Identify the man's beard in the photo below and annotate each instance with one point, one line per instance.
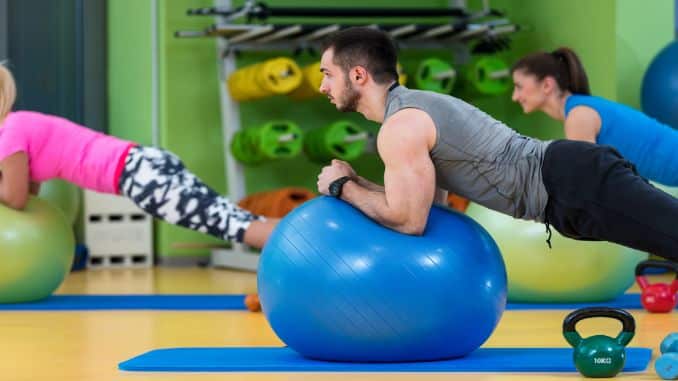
(349, 101)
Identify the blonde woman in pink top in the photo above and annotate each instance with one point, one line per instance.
(35, 147)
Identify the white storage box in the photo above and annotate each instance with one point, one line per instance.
(117, 232)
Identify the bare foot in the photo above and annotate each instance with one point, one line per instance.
(258, 232)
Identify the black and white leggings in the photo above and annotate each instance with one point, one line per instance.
(158, 182)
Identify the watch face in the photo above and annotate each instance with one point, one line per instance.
(334, 189)
(336, 185)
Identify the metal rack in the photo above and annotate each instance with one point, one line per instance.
(246, 28)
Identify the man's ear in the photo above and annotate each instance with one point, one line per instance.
(359, 74)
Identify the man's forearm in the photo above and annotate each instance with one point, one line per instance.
(373, 204)
(363, 182)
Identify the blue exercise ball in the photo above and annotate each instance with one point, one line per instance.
(337, 286)
(659, 96)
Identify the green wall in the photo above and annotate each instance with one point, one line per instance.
(129, 69)
(614, 48)
(643, 29)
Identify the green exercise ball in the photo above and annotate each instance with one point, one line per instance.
(571, 271)
(63, 195)
(36, 251)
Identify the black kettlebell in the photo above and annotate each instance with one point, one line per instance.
(599, 355)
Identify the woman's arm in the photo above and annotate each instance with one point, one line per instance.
(34, 188)
(582, 123)
(14, 180)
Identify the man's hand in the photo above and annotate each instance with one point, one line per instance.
(332, 172)
(346, 166)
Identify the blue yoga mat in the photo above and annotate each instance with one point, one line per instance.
(132, 302)
(235, 302)
(626, 301)
(283, 359)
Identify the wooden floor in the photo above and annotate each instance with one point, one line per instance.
(73, 346)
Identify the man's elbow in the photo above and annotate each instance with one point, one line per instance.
(407, 224)
(414, 229)
(411, 228)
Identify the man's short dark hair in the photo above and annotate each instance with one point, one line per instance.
(367, 47)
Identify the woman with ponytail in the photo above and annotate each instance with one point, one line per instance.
(556, 84)
(35, 147)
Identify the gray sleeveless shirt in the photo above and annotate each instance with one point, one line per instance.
(478, 157)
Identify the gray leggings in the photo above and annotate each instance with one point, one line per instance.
(158, 182)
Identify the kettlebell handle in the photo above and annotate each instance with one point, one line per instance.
(571, 320)
(651, 263)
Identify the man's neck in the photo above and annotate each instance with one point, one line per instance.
(373, 103)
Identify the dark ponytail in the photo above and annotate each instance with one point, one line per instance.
(562, 64)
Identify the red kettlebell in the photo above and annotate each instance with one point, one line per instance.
(658, 297)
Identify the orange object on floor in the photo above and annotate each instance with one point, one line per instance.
(252, 302)
(457, 203)
(276, 203)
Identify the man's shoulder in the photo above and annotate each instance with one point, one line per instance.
(408, 114)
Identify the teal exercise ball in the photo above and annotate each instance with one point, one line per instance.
(570, 272)
(63, 195)
(36, 251)
(659, 91)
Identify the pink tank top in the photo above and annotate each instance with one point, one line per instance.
(59, 148)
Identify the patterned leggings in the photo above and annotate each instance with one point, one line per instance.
(158, 182)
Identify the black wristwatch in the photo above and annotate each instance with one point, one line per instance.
(337, 185)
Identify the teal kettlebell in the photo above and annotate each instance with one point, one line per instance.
(667, 364)
(599, 356)
(669, 344)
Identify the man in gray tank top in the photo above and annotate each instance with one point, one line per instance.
(477, 157)
(432, 143)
